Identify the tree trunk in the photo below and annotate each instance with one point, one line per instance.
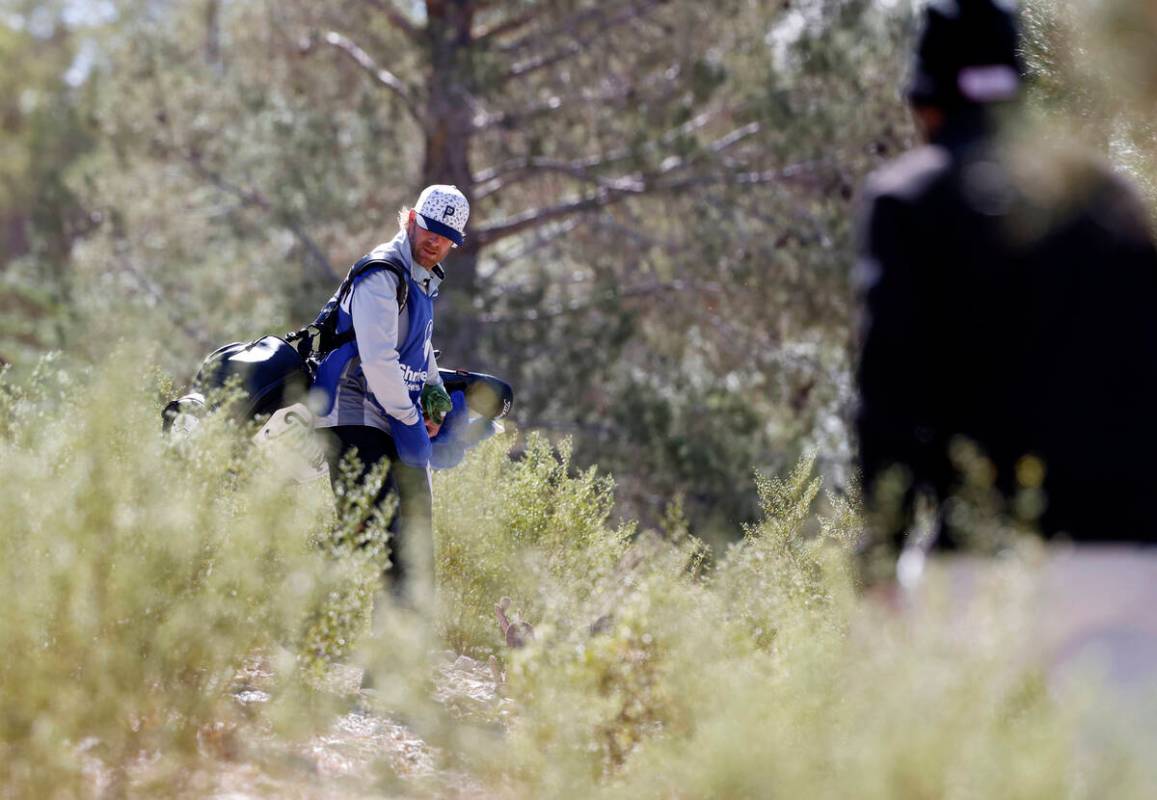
(449, 130)
(213, 33)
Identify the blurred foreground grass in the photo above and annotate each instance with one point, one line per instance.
(141, 582)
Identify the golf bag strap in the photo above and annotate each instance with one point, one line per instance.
(320, 336)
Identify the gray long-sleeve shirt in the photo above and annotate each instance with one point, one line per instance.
(372, 387)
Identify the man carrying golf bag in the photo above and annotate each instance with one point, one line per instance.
(383, 395)
(362, 379)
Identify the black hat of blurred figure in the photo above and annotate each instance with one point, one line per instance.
(967, 54)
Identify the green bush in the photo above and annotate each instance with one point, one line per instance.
(524, 529)
(765, 676)
(139, 576)
(145, 579)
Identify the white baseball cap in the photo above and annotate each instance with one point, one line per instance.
(443, 210)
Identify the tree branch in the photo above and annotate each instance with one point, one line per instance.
(493, 232)
(735, 137)
(396, 17)
(581, 170)
(512, 119)
(579, 306)
(633, 93)
(517, 166)
(532, 247)
(579, 43)
(533, 65)
(509, 25)
(603, 197)
(514, 171)
(254, 199)
(381, 75)
(567, 26)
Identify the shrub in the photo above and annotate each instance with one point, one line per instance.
(524, 529)
(143, 577)
(139, 576)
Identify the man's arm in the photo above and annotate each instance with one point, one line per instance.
(374, 308)
(434, 378)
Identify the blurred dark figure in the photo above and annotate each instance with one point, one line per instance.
(1006, 306)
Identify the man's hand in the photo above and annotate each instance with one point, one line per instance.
(412, 443)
